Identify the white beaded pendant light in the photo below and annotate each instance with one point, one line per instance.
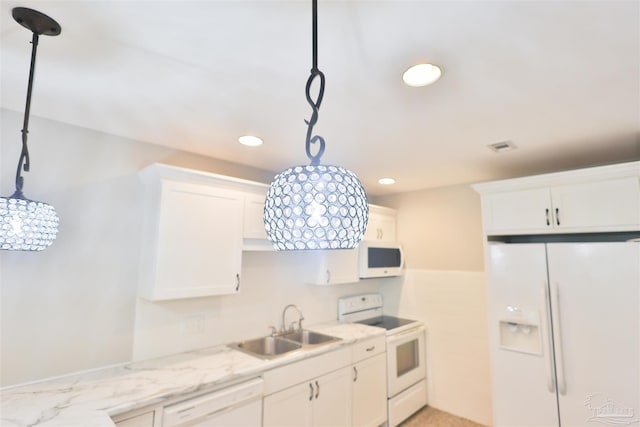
(27, 225)
(315, 206)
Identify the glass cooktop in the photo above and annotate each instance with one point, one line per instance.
(387, 322)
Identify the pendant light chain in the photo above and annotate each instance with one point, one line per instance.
(315, 105)
(24, 154)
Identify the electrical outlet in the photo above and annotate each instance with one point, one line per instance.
(194, 324)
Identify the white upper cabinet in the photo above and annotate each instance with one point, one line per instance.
(382, 224)
(255, 235)
(193, 233)
(253, 217)
(602, 199)
(612, 203)
(332, 267)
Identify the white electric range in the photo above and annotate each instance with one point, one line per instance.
(406, 362)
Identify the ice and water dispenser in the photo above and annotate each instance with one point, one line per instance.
(519, 330)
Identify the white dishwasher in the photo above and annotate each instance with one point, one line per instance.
(239, 405)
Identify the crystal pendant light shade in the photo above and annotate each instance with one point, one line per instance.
(316, 207)
(26, 225)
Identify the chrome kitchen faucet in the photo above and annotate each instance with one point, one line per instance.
(300, 319)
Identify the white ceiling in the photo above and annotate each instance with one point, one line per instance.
(561, 79)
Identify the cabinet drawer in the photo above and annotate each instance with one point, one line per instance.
(368, 348)
(295, 373)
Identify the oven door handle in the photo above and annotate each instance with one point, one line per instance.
(417, 332)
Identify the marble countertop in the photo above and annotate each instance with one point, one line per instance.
(89, 399)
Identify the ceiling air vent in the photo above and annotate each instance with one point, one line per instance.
(502, 146)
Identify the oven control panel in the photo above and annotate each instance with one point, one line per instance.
(358, 303)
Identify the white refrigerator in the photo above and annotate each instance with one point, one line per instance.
(565, 333)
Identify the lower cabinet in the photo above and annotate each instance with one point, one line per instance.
(321, 401)
(369, 386)
(369, 392)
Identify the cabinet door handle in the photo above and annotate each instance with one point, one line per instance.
(310, 391)
(328, 276)
(546, 212)
(557, 216)
(317, 389)
(237, 282)
(373, 347)
(355, 374)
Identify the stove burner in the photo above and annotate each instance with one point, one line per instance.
(386, 322)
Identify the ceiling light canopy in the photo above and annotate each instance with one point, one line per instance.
(27, 225)
(421, 75)
(315, 206)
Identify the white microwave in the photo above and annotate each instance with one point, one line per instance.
(380, 259)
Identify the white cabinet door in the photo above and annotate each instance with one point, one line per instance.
(598, 341)
(381, 225)
(253, 217)
(606, 205)
(332, 399)
(323, 401)
(369, 393)
(333, 267)
(291, 407)
(526, 211)
(198, 250)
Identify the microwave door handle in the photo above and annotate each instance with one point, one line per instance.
(401, 256)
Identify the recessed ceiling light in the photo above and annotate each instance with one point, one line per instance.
(386, 181)
(421, 75)
(502, 146)
(250, 140)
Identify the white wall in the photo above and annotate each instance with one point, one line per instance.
(453, 306)
(445, 287)
(72, 307)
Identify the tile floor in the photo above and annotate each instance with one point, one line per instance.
(432, 417)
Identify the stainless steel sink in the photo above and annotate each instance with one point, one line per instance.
(267, 347)
(274, 346)
(309, 337)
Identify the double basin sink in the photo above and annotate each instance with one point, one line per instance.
(278, 345)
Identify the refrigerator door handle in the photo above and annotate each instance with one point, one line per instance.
(557, 339)
(545, 323)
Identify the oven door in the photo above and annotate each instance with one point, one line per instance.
(405, 359)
